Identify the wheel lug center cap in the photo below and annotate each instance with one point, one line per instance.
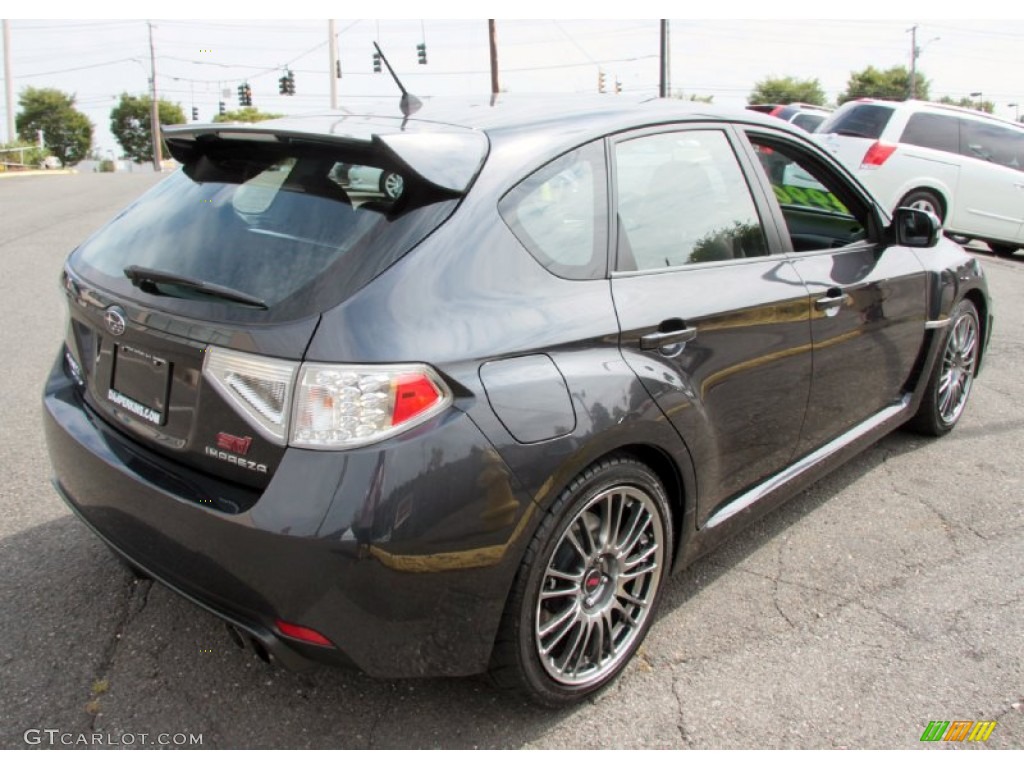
(592, 581)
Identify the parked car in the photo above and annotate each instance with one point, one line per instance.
(806, 116)
(365, 178)
(477, 427)
(966, 167)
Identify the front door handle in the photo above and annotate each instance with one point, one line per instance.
(660, 339)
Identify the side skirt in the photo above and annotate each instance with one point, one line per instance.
(775, 490)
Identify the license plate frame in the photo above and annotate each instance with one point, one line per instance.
(140, 383)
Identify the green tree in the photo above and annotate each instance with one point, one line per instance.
(968, 103)
(786, 90)
(892, 84)
(245, 115)
(66, 131)
(130, 123)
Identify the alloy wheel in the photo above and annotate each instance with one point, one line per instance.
(958, 364)
(599, 587)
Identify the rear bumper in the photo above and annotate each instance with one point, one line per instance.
(403, 562)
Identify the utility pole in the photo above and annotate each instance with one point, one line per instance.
(663, 80)
(9, 81)
(914, 53)
(492, 35)
(154, 114)
(332, 69)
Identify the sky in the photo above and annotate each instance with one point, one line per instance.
(198, 56)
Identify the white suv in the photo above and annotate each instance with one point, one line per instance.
(964, 166)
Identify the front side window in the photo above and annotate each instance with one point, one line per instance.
(819, 210)
(682, 199)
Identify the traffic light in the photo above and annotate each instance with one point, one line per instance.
(244, 95)
(376, 62)
(286, 84)
(421, 53)
(600, 81)
(221, 107)
(195, 113)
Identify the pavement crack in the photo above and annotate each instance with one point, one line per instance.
(681, 722)
(134, 602)
(775, 584)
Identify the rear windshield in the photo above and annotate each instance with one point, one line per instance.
(297, 228)
(864, 120)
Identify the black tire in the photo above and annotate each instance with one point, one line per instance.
(924, 200)
(606, 578)
(959, 239)
(953, 376)
(391, 185)
(1002, 249)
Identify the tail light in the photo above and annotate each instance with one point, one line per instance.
(325, 407)
(877, 154)
(259, 388)
(342, 406)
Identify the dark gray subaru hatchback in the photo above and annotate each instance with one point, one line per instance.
(470, 412)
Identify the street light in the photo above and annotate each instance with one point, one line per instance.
(1016, 111)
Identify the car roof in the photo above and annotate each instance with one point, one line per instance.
(493, 114)
(446, 140)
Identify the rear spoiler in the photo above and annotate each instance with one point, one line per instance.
(447, 157)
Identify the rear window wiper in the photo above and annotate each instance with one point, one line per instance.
(849, 132)
(148, 280)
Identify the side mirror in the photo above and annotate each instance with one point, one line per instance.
(916, 228)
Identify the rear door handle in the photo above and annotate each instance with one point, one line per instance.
(660, 339)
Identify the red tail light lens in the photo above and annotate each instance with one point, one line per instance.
(877, 154)
(305, 634)
(414, 394)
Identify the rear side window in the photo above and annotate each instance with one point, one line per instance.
(994, 143)
(299, 228)
(560, 216)
(933, 131)
(864, 120)
(808, 121)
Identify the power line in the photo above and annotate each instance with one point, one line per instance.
(77, 69)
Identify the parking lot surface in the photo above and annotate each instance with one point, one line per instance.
(886, 596)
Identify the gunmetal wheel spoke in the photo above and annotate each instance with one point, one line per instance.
(570, 536)
(636, 530)
(638, 572)
(564, 619)
(598, 587)
(637, 559)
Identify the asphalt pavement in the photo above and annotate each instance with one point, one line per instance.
(886, 596)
